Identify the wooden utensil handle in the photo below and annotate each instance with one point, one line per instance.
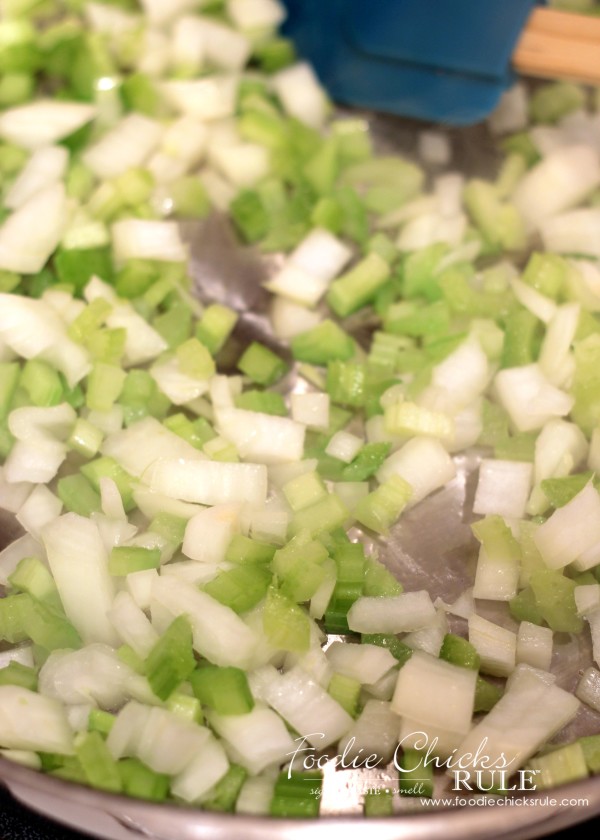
(557, 44)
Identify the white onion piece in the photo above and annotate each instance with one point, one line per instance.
(587, 598)
(218, 633)
(373, 733)
(571, 529)
(503, 488)
(262, 438)
(147, 240)
(141, 444)
(209, 532)
(78, 561)
(210, 98)
(128, 145)
(391, 614)
(424, 463)
(32, 233)
(538, 304)
(321, 254)
(40, 508)
(255, 740)
(588, 688)
(301, 94)
(158, 13)
(243, 165)
(558, 182)
(289, 319)
(496, 646)
(511, 112)
(43, 122)
(557, 342)
(45, 167)
(94, 674)
(576, 232)
(534, 645)
(209, 482)
(529, 398)
(13, 495)
(364, 663)
(11, 556)
(208, 767)
(30, 721)
(256, 14)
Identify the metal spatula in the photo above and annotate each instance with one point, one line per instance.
(442, 60)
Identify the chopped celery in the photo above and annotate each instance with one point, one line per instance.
(325, 515)
(16, 674)
(359, 286)
(378, 802)
(395, 646)
(524, 607)
(297, 794)
(560, 491)
(322, 344)
(486, 695)
(171, 660)
(590, 745)
(9, 380)
(262, 365)
(225, 793)
(346, 382)
(559, 766)
(195, 360)
(555, 598)
(125, 559)
(240, 588)
(142, 782)
(379, 581)
(367, 462)
(77, 266)
(33, 577)
(215, 326)
(459, 651)
(169, 526)
(100, 721)
(416, 776)
(345, 691)
(42, 383)
(105, 467)
(99, 767)
(550, 102)
(245, 550)
(286, 625)
(265, 402)
(186, 707)
(225, 690)
(381, 508)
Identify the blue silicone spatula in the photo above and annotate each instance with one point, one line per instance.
(443, 60)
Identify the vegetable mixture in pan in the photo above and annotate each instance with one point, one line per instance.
(193, 526)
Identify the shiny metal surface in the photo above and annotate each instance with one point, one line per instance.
(431, 547)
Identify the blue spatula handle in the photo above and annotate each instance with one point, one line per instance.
(441, 60)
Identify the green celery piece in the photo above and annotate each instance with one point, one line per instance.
(127, 559)
(358, 286)
(555, 597)
(265, 402)
(100, 721)
(522, 339)
(304, 490)
(381, 508)
(323, 168)
(215, 326)
(274, 54)
(560, 491)
(496, 538)
(324, 343)
(92, 61)
(499, 222)
(519, 447)
(34, 578)
(385, 350)
(378, 802)
(495, 424)
(262, 365)
(547, 273)
(16, 89)
(10, 373)
(93, 316)
(559, 766)
(225, 690)
(380, 243)
(350, 563)
(16, 674)
(42, 383)
(551, 102)
(8, 279)
(299, 568)
(346, 692)
(419, 277)
(48, 627)
(169, 526)
(171, 660)
(590, 745)
(77, 266)
(99, 767)
(185, 707)
(127, 655)
(80, 181)
(297, 794)
(392, 643)
(346, 383)
(139, 93)
(524, 607)
(140, 397)
(13, 609)
(379, 580)
(389, 181)
(416, 776)
(174, 325)
(190, 430)
(327, 214)
(104, 385)
(325, 515)
(286, 624)
(105, 467)
(225, 793)
(522, 144)
(586, 384)
(243, 549)
(486, 695)
(12, 159)
(190, 199)
(140, 781)
(135, 277)
(459, 651)
(354, 140)
(355, 220)
(240, 588)
(410, 319)
(195, 360)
